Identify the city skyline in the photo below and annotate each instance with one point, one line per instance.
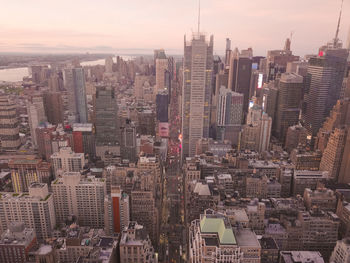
(112, 28)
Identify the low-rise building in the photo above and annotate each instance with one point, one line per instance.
(135, 245)
(323, 198)
(16, 243)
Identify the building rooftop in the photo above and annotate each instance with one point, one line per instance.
(301, 257)
(217, 225)
(246, 238)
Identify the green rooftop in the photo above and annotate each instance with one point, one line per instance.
(217, 225)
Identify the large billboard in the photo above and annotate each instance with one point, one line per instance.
(163, 129)
(260, 81)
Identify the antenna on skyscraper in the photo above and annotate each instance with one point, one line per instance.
(199, 14)
(336, 39)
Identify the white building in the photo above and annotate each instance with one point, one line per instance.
(196, 91)
(67, 161)
(80, 197)
(35, 209)
(341, 252)
(212, 239)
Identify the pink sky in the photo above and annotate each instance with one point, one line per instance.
(116, 25)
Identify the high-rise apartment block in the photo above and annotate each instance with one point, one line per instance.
(24, 172)
(79, 197)
(9, 129)
(35, 209)
(196, 91)
(117, 211)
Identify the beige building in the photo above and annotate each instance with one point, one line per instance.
(144, 210)
(161, 67)
(80, 197)
(25, 171)
(67, 161)
(333, 153)
(322, 198)
(135, 245)
(256, 186)
(35, 209)
(341, 252)
(320, 231)
(213, 239)
(257, 132)
(9, 129)
(307, 179)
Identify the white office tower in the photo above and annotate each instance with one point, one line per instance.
(81, 197)
(35, 209)
(196, 91)
(36, 115)
(67, 161)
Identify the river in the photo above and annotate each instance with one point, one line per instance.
(17, 74)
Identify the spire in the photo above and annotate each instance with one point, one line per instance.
(199, 15)
(336, 39)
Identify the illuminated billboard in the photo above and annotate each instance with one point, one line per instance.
(260, 81)
(163, 129)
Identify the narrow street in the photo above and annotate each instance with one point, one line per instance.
(172, 237)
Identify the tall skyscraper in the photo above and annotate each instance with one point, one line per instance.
(128, 141)
(333, 154)
(106, 122)
(229, 115)
(9, 130)
(196, 91)
(290, 94)
(161, 68)
(109, 64)
(53, 105)
(348, 41)
(36, 115)
(74, 82)
(239, 76)
(327, 72)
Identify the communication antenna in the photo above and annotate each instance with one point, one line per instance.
(199, 15)
(336, 39)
